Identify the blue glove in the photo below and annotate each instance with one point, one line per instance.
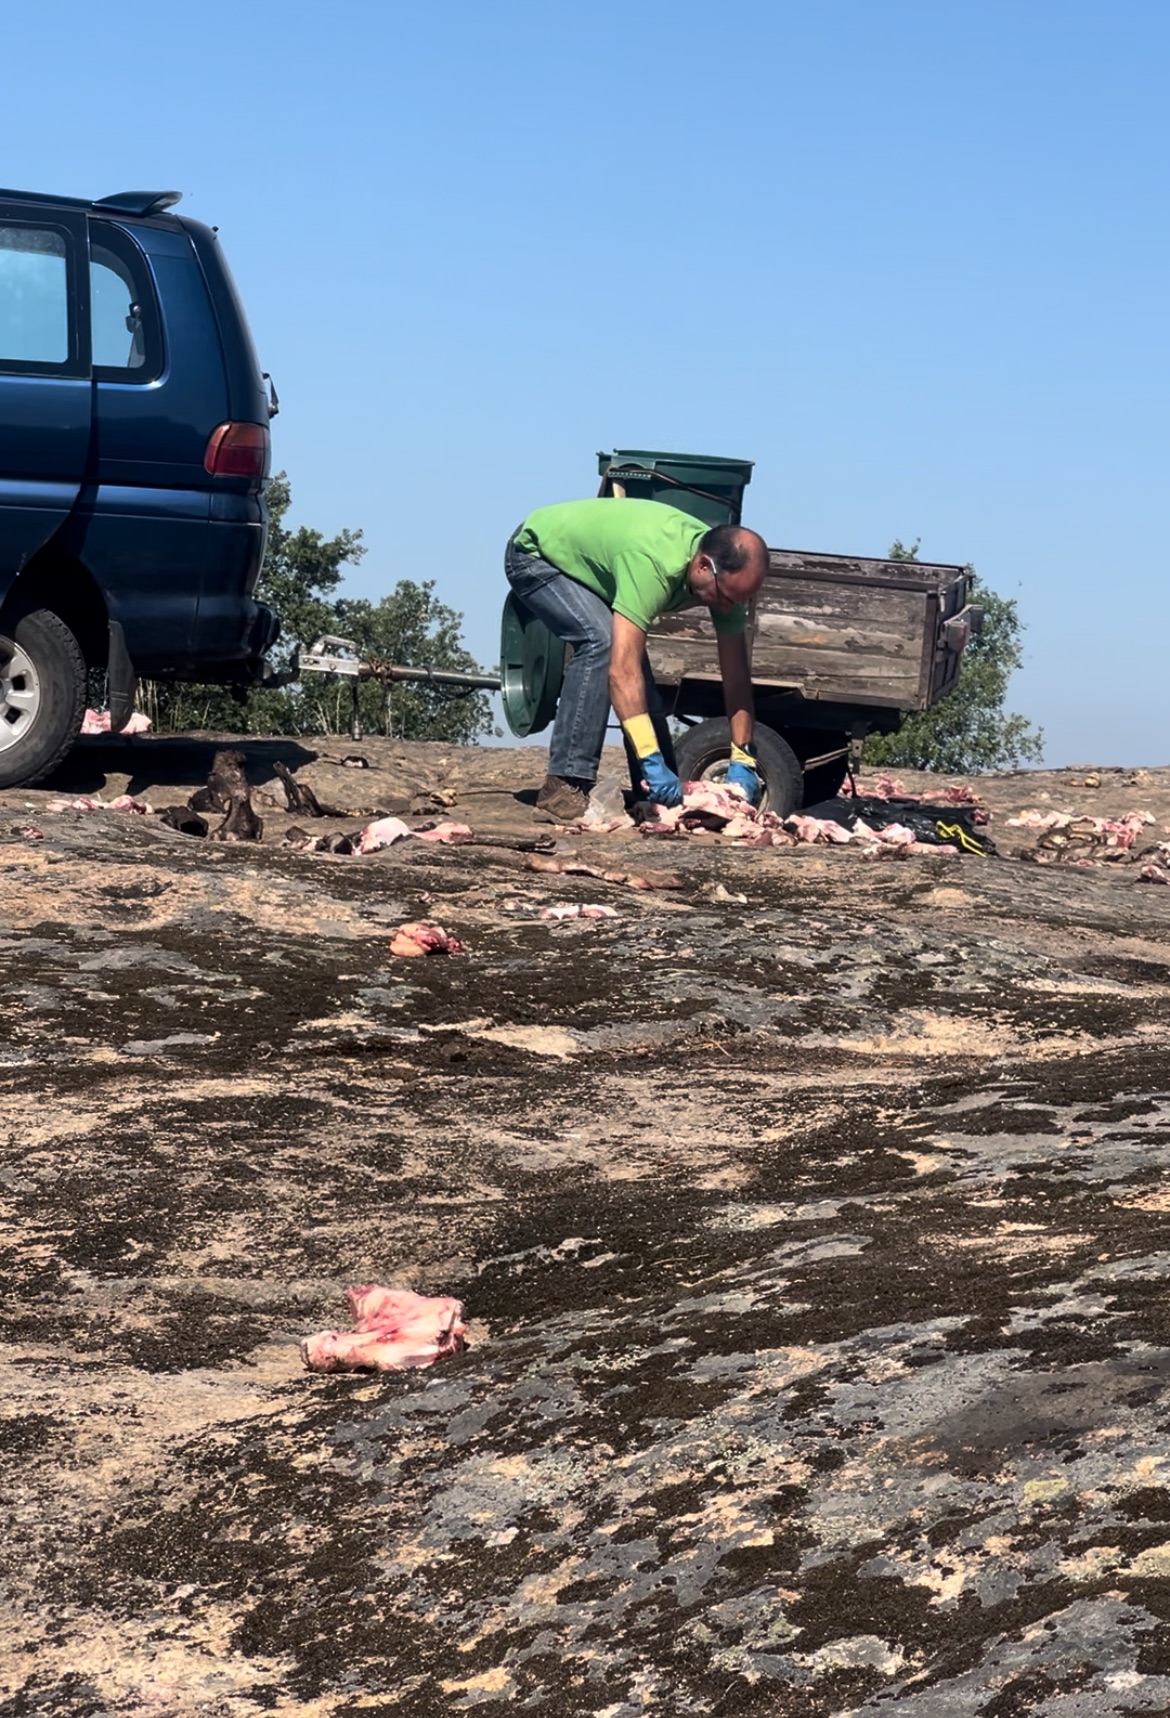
(742, 773)
(661, 783)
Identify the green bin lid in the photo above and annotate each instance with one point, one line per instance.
(703, 484)
(684, 467)
(532, 667)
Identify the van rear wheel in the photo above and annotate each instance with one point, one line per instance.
(42, 694)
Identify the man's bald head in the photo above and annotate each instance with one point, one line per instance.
(728, 566)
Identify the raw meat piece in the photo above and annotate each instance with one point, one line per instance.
(91, 802)
(821, 829)
(83, 802)
(382, 833)
(394, 1329)
(895, 835)
(645, 880)
(909, 849)
(98, 722)
(1085, 831)
(718, 801)
(574, 910)
(700, 799)
(543, 862)
(598, 821)
(387, 830)
(889, 787)
(451, 834)
(420, 937)
(1153, 874)
(725, 810)
(762, 836)
(1039, 819)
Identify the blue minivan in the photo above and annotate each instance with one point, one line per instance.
(134, 450)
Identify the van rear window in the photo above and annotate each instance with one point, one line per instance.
(124, 320)
(34, 297)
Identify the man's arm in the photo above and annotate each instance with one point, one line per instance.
(627, 694)
(737, 686)
(627, 685)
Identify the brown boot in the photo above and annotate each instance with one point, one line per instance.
(561, 800)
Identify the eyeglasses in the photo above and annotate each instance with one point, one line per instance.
(719, 591)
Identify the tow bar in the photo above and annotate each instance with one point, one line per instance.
(339, 657)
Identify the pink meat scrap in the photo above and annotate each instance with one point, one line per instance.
(450, 834)
(98, 722)
(889, 787)
(421, 937)
(818, 830)
(385, 831)
(1101, 831)
(91, 802)
(909, 849)
(83, 802)
(705, 806)
(394, 1329)
(575, 910)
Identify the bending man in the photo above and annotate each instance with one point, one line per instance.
(599, 573)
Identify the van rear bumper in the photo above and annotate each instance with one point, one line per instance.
(233, 640)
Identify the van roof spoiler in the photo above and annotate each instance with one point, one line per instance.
(129, 202)
(140, 202)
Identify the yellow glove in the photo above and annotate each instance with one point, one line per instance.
(639, 730)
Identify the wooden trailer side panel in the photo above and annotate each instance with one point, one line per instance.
(849, 642)
(683, 647)
(832, 628)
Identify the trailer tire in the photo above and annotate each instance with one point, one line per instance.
(705, 750)
(42, 694)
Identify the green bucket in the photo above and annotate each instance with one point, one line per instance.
(532, 667)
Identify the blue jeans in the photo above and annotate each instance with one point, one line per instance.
(573, 612)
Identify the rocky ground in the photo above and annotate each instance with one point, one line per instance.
(816, 1246)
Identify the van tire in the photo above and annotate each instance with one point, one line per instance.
(42, 694)
(708, 744)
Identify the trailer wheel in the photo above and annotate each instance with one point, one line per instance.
(704, 752)
(42, 695)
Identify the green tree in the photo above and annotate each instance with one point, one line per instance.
(411, 626)
(300, 577)
(969, 729)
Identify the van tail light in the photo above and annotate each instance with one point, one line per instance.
(237, 450)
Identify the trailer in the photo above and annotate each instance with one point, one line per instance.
(840, 646)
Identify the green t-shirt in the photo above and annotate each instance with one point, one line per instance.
(633, 554)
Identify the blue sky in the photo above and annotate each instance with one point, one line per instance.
(910, 256)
